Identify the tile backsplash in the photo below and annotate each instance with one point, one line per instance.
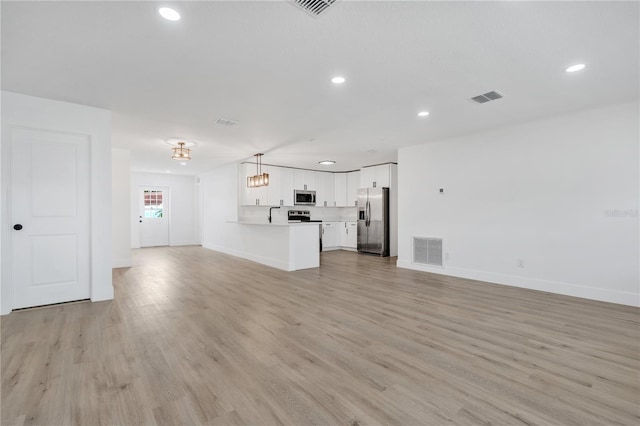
(327, 214)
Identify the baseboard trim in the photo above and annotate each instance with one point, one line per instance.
(121, 263)
(592, 293)
(183, 243)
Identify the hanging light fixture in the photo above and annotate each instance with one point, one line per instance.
(259, 179)
(181, 153)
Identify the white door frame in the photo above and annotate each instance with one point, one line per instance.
(28, 112)
(166, 201)
(62, 236)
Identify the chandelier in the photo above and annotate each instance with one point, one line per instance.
(259, 179)
(181, 153)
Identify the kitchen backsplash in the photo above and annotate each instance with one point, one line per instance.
(327, 214)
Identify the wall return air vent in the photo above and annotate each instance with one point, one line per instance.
(486, 97)
(313, 7)
(427, 251)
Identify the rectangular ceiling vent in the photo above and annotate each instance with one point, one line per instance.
(487, 97)
(427, 251)
(225, 122)
(313, 7)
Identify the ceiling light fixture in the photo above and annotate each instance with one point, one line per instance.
(574, 68)
(169, 14)
(181, 153)
(259, 179)
(338, 80)
(423, 113)
(326, 162)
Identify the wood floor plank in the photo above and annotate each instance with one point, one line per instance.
(199, 337)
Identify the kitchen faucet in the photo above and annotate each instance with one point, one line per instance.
(270, 212)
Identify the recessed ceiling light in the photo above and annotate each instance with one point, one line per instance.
(423, 113)
(327, 162)
(574, 68)
(168, 171)
(338, 80)
(169, 14)
(183, 164)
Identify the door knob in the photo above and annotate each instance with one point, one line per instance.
(17, 227)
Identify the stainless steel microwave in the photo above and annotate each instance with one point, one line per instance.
(304, 197)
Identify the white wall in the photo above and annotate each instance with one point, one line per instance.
(561, 194)
(47, 114)
(182, 206)
(220, 206)
(121, 207)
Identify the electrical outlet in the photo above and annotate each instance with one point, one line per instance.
(520, 263)
(446, 257)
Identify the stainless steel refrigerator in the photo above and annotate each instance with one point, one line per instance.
(373, 221)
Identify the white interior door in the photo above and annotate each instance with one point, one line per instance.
(154, 220)
(50, 210)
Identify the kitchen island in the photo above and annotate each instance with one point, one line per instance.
(287, 246)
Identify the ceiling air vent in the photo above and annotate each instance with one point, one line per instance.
(487, 97)
(225, 122)
(313, 7)
(427, 251)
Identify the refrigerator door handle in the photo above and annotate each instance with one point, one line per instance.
(368, 220)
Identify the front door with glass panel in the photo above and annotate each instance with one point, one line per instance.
(154, 212)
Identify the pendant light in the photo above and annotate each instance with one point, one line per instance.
(181, 153)
(259, 179)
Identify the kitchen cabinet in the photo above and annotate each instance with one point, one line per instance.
(353, 184)
(375, 176)
(331, 238)
(349, 235)
(340, 189)
(304, 179)
(252, 196)
(280, 189)
(324, 189)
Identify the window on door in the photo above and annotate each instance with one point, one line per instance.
(153, 207)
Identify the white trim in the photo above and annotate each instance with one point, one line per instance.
(30, 112)
(184, 243)
(567, 289)
(121, 263)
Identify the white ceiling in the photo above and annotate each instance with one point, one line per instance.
(268, 65)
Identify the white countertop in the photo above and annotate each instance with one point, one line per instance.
(275, 223)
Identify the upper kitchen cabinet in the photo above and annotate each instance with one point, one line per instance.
(340, 189)
(376, 176)
(304, 179)
(353, 184)
(280, 189)
(325, 191)
(252, 196)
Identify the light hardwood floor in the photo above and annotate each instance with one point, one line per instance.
(198, 337)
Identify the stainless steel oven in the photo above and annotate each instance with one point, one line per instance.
(304, 197)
